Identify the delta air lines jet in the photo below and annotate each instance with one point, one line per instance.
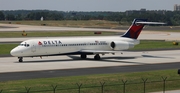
(82, 46)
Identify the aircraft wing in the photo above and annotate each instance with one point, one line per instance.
(98, 51)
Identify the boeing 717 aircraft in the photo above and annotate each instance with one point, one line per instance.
(82, 46)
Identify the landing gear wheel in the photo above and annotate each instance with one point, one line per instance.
(97, 57)
(83, 56)
(20, 59)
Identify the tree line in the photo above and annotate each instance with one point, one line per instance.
(170, 17)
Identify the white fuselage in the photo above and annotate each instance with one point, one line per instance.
(81, 45)
(71, 45)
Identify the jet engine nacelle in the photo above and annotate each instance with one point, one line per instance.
(121, 45)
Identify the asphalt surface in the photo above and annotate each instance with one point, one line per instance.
(85, 71)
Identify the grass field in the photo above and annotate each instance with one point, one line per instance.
(53, 34)
(155, 45)
(92, 83)
(6, 48)
(68, 23)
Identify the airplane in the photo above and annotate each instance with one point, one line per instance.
(82, 46)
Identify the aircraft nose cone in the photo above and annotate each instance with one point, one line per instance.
(15, 52)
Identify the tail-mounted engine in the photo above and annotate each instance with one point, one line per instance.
(120, 45)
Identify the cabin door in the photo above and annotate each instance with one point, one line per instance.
(33, 48)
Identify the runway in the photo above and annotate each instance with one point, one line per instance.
(72, 65)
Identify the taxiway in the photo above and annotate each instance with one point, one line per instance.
(11, 64)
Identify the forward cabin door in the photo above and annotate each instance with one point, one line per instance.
(33, 47)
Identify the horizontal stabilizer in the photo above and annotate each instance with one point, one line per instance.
(149, 23)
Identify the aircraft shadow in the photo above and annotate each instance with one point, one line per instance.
(44, 61)
(118, 59)
(150, 56)
(108, 59)
(76, 58)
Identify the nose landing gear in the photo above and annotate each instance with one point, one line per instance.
(20, 59)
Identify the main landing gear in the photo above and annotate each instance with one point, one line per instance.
(83, 56)
(20, 59)
(96, 57)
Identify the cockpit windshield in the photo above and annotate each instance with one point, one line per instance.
(24, 44)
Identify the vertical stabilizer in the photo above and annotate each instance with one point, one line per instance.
(135, 29)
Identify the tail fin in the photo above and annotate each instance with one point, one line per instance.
(135, 29)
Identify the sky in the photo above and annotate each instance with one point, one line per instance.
(88, 5)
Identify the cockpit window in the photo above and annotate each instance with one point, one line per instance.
(26, 45)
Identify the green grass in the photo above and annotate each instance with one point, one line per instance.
(155, 45)
(6, 48)
(91, 83)
(53, 34)
(68, 23)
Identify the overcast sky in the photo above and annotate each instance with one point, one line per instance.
(88, 5)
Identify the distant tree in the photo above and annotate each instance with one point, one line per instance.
(100, 17)
(45, 15)
(10, 17)
(176, 19)
(124, 18)
(2, 16)
(55, 16)
(19, 17)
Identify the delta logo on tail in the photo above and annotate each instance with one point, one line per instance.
(137, 26)
(135, 29)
